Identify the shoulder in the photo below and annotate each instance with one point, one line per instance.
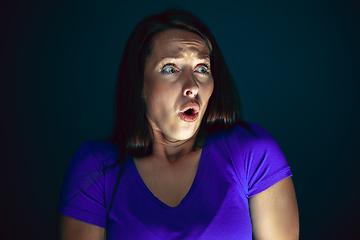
(256, 157)
(88, 163)
(93, 154)
(244, 139)
(103, 149)
(248, 134)
(88, 182)
(254, 144)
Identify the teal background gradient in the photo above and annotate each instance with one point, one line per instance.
(296, 66)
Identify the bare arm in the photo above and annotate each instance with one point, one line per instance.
(72, 229)
(274, 212)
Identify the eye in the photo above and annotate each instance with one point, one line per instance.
(169, 69)
(204, 69)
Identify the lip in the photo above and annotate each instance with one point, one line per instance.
(189, 118)
(195, 106)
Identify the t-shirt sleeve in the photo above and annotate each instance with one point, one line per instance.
(82, 195)
(259, 161)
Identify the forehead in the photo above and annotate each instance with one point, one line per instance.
(175, 43)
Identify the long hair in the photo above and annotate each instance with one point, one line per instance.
(132, 132)
(131, 129)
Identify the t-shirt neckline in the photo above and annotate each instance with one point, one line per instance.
(137, 178)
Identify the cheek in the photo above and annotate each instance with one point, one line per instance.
(157, 97)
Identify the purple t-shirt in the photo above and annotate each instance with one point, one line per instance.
(234, 166)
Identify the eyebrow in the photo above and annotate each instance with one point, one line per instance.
(199, 56)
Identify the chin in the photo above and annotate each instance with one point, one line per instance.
(184, 134)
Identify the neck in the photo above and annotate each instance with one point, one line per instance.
(172, 150)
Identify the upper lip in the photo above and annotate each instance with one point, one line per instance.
(191, 105)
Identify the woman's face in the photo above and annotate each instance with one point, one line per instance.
(177, 83)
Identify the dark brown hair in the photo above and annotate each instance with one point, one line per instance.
(131, 129)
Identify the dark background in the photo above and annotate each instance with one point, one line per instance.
(296, 65)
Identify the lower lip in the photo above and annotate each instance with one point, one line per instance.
(188, 118)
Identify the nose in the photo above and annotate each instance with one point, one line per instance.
(191, 88)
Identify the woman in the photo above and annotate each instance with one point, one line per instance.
(181, 164)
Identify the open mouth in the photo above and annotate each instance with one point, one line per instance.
(190, 115)
(189, 112)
